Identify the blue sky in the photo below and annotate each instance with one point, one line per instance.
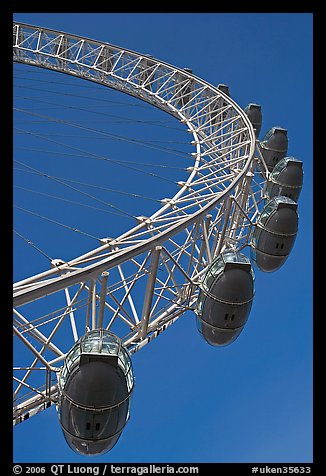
(250, 401)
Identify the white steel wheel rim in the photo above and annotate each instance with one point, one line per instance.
(224, 161)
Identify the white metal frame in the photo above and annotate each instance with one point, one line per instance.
(216, 207)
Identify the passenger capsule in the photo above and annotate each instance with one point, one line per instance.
(95, 387)
(225, 298)
(286, 179)
(274, 146)
(224, 88)
(274, 234)
(253, 111)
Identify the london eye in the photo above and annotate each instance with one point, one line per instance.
(234, 215)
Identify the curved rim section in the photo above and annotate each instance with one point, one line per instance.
(223, 137)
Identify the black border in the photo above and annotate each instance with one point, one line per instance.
(6, 236)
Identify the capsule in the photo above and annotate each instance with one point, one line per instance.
(274, 234)
(224, 88)
(95, 387)
(274, 146)
(225, 298)
(286, 179)
(253, 111)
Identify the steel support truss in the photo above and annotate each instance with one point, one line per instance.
(141, 282)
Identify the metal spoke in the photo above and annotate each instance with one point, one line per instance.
(164, 254)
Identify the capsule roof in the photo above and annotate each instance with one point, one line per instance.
(224, 88)
(276, 139)
(273, 130)
(252, 105)
(253, 111)
(254, 108)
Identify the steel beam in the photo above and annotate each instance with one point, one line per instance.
(155, 257)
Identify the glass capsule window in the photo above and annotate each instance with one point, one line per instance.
(124, 361)
(217, 267)
(268, 134)
(255, 240)
(268, 209)
(99, 342)
(213, 271)
(281, 165)
(110, 345)
(231, 256)
(200, 302)
(71, 360)
(130, 380)
(91, 343)
(237, 257)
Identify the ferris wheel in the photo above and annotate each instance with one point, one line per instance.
(240, 195)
